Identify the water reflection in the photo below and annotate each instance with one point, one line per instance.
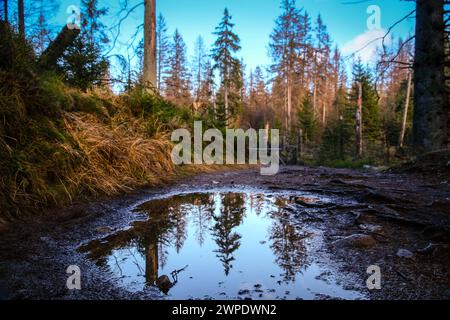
(210, 244)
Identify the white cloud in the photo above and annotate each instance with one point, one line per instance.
(365, 44)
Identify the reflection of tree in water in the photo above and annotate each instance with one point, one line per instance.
(287, 244)
(231, 215)
(256, 203)
(166, 226)
(201, 216)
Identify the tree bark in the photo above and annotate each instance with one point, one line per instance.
(149, 76)
(226, 105)
(359, 143)
(21, 18)
(289, 103)
(315, 85)
(405, 111)
(430, 110)
(324, 113)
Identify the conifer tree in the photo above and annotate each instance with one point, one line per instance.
(223, 53)
(162, 47)
(370, 109)
(284, 50)
(83, 63)
(177, 81)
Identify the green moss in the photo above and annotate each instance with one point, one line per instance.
(89, 104)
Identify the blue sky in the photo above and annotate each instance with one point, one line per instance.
(254, 21)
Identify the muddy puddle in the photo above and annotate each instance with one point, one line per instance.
(219, 245)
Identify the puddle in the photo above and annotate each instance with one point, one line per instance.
(218, 245)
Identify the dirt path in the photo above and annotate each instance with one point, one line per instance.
(398, 222)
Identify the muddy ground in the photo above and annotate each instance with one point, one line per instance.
(397, 221)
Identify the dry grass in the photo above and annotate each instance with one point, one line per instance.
(96, 143)
(115, 158)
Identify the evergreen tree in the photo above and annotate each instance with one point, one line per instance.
(370, 109)
(322, 70)
(162, 47)
(284, 50)
(337, 139)
(177, 82)
(223, 53)
(83, 63)
(198, 66)
(206, 92)
(307, 120)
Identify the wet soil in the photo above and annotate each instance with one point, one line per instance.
(399, 222)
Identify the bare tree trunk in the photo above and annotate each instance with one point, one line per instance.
(289, 104)
(149, 76)
(226, 105)
(405, 111)
(315, 85)
(21, 19)
(359, 144)
(324, 113)
(151, 263)
(430, 110)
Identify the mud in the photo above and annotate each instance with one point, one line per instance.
(398, 212)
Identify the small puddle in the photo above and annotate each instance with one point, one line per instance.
(218, 245)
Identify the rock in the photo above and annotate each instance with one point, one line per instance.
(356, 240)
(164, 283)
(403, 253)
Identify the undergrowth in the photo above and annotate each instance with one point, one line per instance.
(58, 143)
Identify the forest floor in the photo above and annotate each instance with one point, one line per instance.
(397, 221)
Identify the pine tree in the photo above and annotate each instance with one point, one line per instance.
(206, 92)
(83, 63)
(223, 53)
(162, 47)
(198, 67)
(322, 68)
(339, 133)
(284, 50)
(370, 109)
(177, 81)
(307, 120)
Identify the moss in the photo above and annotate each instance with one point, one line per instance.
(84, 102)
